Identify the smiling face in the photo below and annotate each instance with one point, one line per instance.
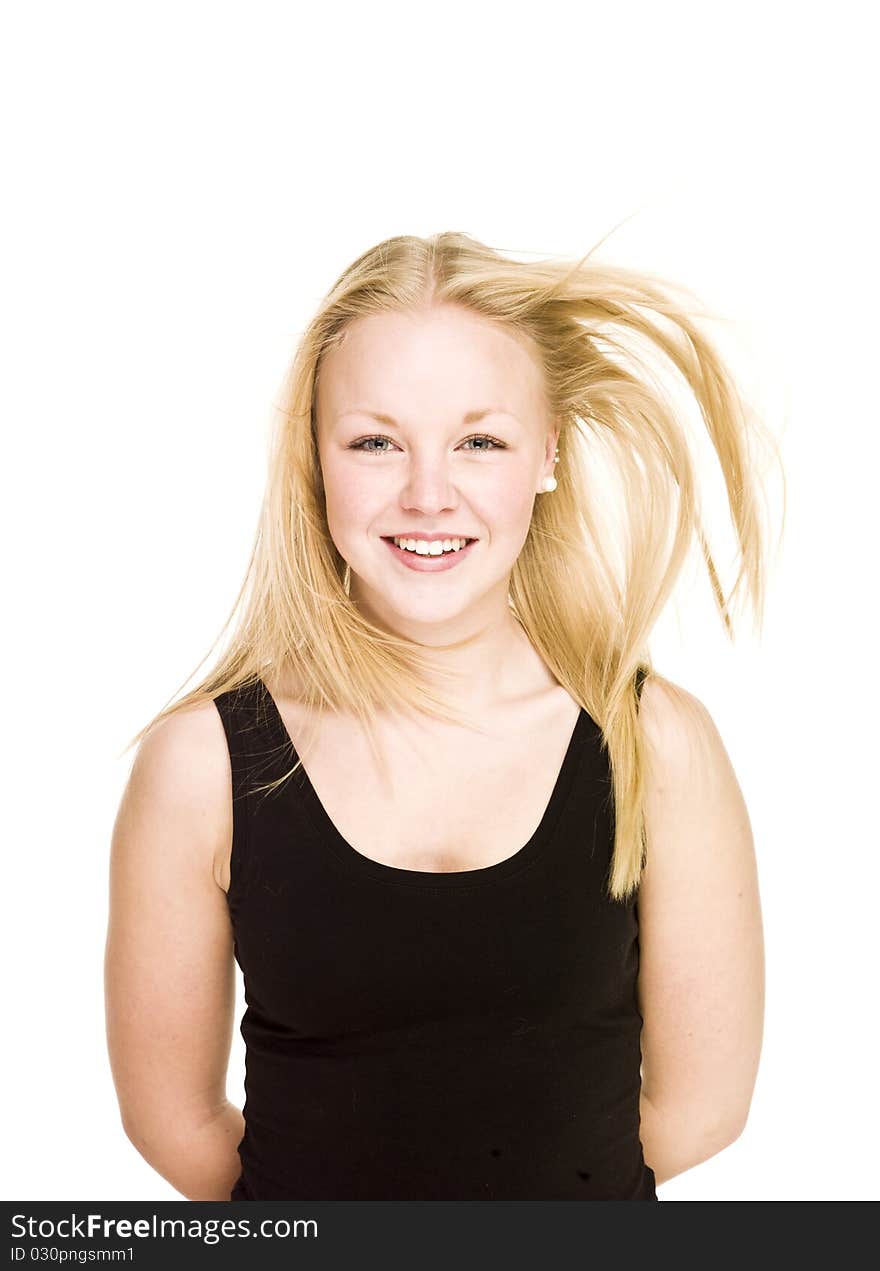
(460, 452)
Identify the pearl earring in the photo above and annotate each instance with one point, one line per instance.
(549, 483)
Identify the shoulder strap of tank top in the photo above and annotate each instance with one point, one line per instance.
(255, 750)
(256, 758)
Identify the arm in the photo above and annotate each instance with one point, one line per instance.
(169, 970)
(701, 974)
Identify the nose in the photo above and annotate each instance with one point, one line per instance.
(428, 487)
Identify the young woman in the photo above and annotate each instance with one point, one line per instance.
(495, 902)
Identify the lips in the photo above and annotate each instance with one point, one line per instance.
(430, 564)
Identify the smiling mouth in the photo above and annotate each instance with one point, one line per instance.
(429, 548)
(446, 554)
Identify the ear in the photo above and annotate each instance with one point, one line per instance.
(550, 449)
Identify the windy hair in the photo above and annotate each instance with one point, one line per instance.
(603, 552)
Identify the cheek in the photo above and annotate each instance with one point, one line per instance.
(501, 501)
(352, 505)
(506, 506)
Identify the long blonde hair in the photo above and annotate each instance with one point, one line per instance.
(588, 615)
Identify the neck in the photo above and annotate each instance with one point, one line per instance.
(492, 663)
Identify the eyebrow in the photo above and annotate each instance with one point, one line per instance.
(472, 416)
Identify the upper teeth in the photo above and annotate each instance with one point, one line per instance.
(425, 548)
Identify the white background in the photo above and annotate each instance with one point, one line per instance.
(183, 183)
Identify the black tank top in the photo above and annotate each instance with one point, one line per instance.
(431, 1036)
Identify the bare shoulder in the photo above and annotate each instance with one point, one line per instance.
(689, 777)
(181, 776)
(675, 723)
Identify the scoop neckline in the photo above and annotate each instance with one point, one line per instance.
(432, 879)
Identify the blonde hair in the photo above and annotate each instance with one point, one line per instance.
(588, 616)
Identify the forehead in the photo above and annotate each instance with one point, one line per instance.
(446, 356)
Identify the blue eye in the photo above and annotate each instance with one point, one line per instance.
(363, 446)
(495, 445)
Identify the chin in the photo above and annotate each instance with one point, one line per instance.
(402, 604)
(429, 614)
